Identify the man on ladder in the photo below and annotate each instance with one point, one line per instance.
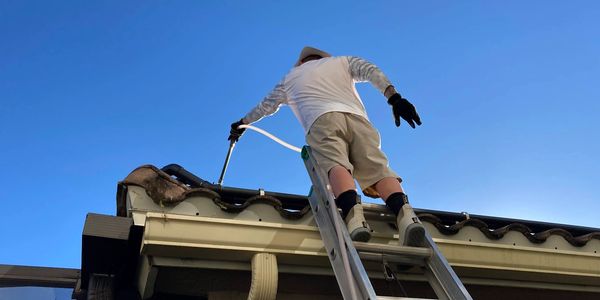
(320, 91)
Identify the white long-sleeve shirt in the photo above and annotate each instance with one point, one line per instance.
(321, 86)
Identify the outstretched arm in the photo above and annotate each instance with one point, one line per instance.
(268, 106)
(362, 70)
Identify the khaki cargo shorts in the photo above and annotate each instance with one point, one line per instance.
(349, 140)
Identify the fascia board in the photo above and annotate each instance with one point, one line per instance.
(204, 238)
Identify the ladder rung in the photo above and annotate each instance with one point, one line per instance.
(394, 259)
(415, 252)
(398, 298)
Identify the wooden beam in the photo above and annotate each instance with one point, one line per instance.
(11, 276)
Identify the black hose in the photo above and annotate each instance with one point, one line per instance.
(233, 195)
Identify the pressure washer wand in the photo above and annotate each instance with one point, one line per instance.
(231, 146)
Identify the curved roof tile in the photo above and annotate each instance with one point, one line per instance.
(167, 190)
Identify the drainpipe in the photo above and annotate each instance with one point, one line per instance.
(264, 277)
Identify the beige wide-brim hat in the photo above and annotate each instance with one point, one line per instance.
(308, 51)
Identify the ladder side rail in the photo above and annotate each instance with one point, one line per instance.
(332, 246)
(356, 276)
(333, 211)
(442, 277)
(323, 207)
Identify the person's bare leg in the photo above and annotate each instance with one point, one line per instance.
(341, 180)
(342, 185)
(387, 186)
(411, 231)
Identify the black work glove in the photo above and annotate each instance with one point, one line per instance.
(235, 133)
(402, 108)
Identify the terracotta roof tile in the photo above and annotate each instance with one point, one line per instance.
(174, 184)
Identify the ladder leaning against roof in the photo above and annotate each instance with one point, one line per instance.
(344, 256)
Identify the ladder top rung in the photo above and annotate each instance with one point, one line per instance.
(393, 250)
(398, 298)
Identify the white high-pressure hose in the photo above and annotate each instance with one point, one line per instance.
(276, 139)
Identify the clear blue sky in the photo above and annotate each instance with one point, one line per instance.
(508, 93)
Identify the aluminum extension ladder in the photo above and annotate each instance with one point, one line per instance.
(344, 255)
